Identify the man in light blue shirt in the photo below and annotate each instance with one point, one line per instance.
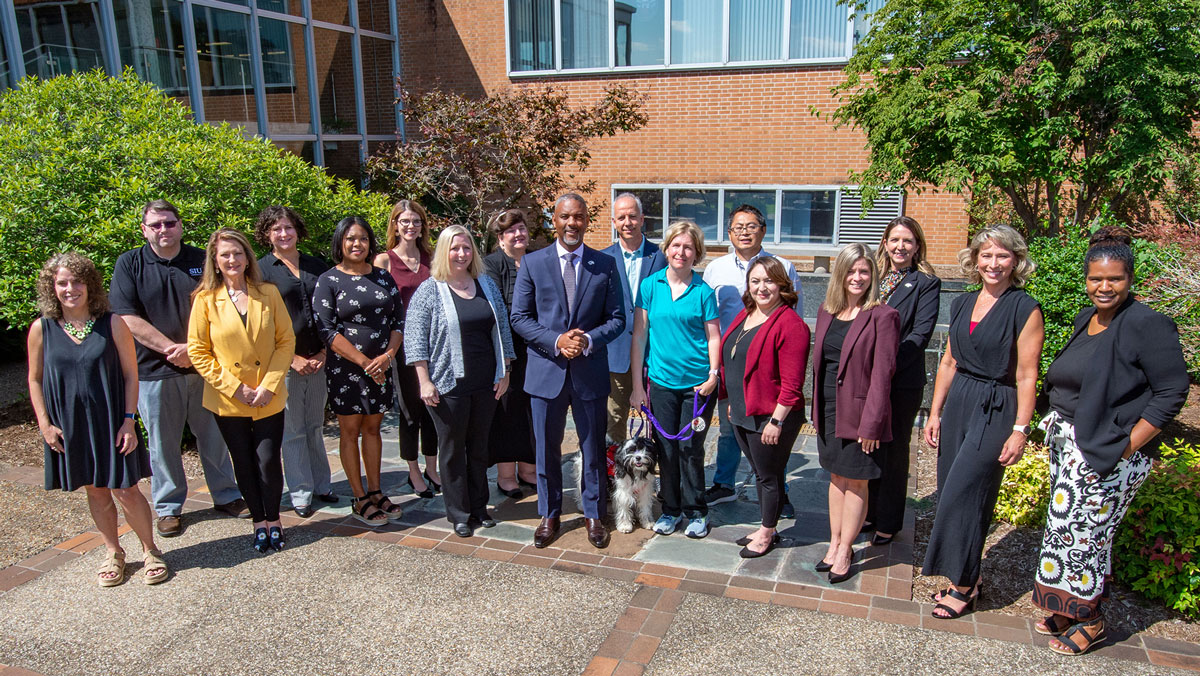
(637, 258)
(727, 276)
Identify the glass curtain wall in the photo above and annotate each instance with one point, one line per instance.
(252, 63)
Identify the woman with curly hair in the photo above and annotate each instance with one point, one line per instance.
(83, 384)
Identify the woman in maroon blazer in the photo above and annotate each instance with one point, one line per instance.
(854, 357)
(763, 356)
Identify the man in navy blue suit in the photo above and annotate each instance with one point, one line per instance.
(568, 306)
(636, 258)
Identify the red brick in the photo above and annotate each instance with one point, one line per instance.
(670, 600)
(843, 609)
(657, 624)
(600, 666)
(629, 669)
(805, 602)
(616, 645)
(1176, 660)
(894, 617)
(657, 580)
(747, 594)
(645, 597)
(536, 561)
(493, 554)
(642, 649)
(632, 619)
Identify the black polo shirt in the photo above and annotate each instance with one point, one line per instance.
(160, 291)
(297, 296)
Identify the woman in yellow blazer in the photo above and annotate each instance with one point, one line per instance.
(240, 340)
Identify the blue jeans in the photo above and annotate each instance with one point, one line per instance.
(305, 463)
(729, 454)
(165, 406)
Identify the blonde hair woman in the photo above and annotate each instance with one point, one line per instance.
(985, 391)
(240, 340)
(676, 331)
(853, 358)
(460, 344)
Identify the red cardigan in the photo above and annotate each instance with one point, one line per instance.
(864, 408)
(775, 363)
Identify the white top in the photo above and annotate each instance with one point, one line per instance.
(727, 276)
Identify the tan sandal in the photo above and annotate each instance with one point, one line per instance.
(155, 569)
(113, 565)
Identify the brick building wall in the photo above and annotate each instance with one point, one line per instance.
(720, 126)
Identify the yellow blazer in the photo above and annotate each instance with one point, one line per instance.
(228, 354)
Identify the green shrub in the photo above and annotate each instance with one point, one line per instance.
(1025, 491)
(1155, 549)
(80, 155)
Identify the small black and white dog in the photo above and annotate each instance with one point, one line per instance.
(631, 473)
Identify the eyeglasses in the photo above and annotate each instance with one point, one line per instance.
(161, 225)
(740, 229)
(410, 222)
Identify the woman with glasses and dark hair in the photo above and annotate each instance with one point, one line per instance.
(1120, 379)
(908, 285)
(511, 445)
(983, 400)
(305, 463)
(361, 318)
(407, 260)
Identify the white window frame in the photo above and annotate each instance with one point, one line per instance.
(772, 241)
(725, 63)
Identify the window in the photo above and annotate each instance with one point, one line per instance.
(812, 218)
(572, 35)
(60, 38)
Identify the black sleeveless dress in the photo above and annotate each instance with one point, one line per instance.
(84, 390)
(978, 417)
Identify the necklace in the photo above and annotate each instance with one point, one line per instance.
(741, 334)
(235, 294)
(78, 333)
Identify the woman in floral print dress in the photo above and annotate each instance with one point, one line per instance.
(360, 317)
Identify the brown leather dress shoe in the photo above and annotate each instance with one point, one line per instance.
(546, 531)
(169, 526)
(597, 533)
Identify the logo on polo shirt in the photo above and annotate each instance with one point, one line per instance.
(195, 272)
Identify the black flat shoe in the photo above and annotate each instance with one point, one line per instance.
(462, 530)
(514, 493)
(329, 498)
(437, 488)
(304, 511)
(837, 579)
(824, 566)
(867, 527)
(425, 494)
(261, 543)
(880, 540)
(748, 553)
(743, 541)
(277, 541)
(526, 485)
(487, 521)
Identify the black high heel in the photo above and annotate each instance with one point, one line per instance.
(527, 485)
(824, 566)
(426, 494)
(837, 579)
(261, 543)
(952, 614)
(437, 488)
(276, 536)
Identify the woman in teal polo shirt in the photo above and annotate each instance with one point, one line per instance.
(677, 335)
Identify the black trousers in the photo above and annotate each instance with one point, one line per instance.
(254, 446)
(769, 463)
(680, 463)
(887, 494)
(463, 422)
(416, 428)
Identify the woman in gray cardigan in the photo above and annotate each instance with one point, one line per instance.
(458, 339)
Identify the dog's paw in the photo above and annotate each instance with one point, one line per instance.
(625, 526)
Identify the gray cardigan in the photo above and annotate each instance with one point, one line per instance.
(432, 334)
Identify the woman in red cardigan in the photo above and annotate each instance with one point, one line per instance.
(854, 357)
(763, 355)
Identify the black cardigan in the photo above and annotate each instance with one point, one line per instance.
(916, 298)
(1139, 374)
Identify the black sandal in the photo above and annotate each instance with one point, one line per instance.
(1053, 625)
(1072, 635)
(364, 510)
(390, 510)
(952, 614)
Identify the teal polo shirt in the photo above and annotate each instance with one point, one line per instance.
(676, 347)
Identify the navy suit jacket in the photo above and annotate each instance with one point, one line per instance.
(653, 261)
(539, 315)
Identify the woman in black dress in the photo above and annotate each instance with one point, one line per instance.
(1118, 381)
(83, 384)
(361, 319)
(983, 399)
(906, 283)
(511, 438)
(853, 358)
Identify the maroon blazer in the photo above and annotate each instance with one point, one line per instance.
(775, 363)
(863, 404)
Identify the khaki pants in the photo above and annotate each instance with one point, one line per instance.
(618, 406)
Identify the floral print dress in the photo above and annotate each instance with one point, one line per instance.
(365, 309)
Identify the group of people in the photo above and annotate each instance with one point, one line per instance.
(482, 357)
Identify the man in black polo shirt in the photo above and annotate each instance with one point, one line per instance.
(151, 290)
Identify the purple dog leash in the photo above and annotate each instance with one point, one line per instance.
(697, 424)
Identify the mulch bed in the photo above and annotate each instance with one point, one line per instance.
(1010, 555)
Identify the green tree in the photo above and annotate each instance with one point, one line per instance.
(1064, 106)
(81, 154)
(468, 158)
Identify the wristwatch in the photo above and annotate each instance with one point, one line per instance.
(777, 423)
(1023, 429)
